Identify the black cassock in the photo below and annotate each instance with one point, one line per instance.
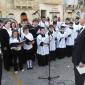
(79, 56)
(0, 64)
(4, 38)
(34, 30)
(0, 68)
(79, 49)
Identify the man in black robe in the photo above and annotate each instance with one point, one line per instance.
(0, 68)
(1, 26)
(78, 57)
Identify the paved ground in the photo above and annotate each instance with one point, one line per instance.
(63, 68)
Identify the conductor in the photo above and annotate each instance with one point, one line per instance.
(1, 26)
(78, 57)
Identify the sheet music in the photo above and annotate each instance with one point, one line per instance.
(0, 51)
(81, 70)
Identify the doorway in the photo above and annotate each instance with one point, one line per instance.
(43, 13)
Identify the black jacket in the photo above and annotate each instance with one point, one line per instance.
(34, 31)
(4, 38)
(79, 49)
(0, 69)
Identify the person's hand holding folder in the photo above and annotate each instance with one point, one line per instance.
(81, 68)
(81, 65)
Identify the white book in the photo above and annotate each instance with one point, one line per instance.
(0, 51)
(81, 70)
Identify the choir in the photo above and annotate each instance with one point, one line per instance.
(42, 40)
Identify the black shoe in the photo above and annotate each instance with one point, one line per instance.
(28, 68)
(31, 67)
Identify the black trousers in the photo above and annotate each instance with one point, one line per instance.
(56, 53)
(7, 58)
(42, 60)
(61, 52)
(0, 69)
(52, 55)
(17, 56)
(79, 79)
(69, 50)
(23, 56)
(34, 51)
(28, 54)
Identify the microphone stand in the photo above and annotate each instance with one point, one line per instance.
(49, 78)
(37, 12)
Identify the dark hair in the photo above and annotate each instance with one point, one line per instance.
(25, 28)
(62, 27)
(71, 23)
(6, 22)
(68, 19)
(35, 20)
(55, 16)
(18, 37)
(14, 23)
(51, 26)
(54, 23)
(25, 20)
(77, 18)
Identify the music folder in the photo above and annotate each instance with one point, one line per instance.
(16, 44)
(27, 41)
(81, 70)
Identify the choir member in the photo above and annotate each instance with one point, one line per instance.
(7, 26)
(13, 26)
(44, 23)
(0, 69)
(55, 19)
(1, 26)
(48, 20)
(78, 57)
(28, 47)
(24, 23)
(52, 35)
(55, 26)
(5, 36)
(42, 47)
(77, 21)
(67, 21)
(56, 29)
(70, 39)
(16, 46)
(61, 43)
(76, 26)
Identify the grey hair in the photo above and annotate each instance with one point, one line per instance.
(82, 16)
